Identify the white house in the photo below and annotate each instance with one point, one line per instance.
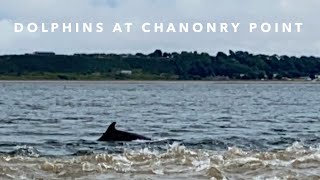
(126, 72)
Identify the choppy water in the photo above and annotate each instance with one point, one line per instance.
(200, 130)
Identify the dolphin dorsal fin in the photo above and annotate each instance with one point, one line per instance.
(112, 127)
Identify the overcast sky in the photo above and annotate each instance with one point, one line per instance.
(138, 11)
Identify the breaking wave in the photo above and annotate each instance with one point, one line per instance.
(176, 162)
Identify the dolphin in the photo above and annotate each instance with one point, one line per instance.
(112, 134)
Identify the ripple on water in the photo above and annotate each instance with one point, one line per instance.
(175, 161)
(50, 130)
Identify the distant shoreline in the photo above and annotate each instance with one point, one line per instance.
(234, 67)
(162, 81)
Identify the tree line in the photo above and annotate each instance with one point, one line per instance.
(164, 65)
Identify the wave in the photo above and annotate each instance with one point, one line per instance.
(177, 161)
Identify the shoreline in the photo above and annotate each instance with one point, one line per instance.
(162, 81)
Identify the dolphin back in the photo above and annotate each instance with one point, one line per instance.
(112, 134)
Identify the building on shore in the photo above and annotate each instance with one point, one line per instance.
(42, 53)
(126, 72)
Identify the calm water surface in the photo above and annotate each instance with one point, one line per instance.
(199, 130)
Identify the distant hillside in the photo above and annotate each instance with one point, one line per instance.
(157, 65)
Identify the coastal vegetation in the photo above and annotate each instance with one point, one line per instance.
(158, 65)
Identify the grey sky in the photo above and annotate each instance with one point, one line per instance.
(138, 11)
